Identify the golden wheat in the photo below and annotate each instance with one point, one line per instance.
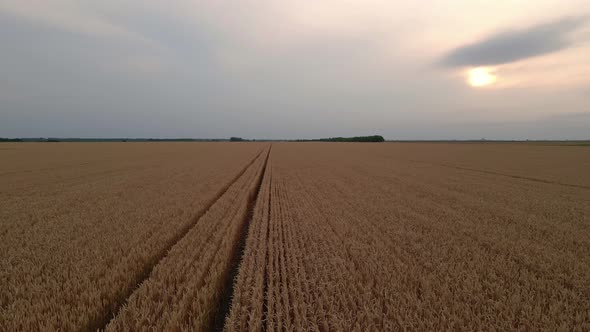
(185, 288)
(343, 237)
(80, 224)
(370, 237)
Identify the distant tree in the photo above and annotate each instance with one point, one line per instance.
(236, 139)
(374, 138)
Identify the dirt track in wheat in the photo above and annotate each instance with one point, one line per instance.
(294, 236)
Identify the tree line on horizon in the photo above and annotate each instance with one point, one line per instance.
(373, 138)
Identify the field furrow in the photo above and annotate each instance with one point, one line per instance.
(296, 237)
(72, 253)
(186, 289)
(422, 248)
(247, 307)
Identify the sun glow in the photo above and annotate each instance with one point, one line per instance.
(481, 76)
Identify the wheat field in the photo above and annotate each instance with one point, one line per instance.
(294, 236)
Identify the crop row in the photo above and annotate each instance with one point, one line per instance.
(383, 244)
(318, 237)
(78, 237)
(250, 285)
(185, 290)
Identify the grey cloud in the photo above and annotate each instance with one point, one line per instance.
(513, 45)
(219, 83)
(568, 126)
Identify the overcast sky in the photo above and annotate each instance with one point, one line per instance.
(295, 69)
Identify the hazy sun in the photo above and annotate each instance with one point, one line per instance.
(481, 76)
